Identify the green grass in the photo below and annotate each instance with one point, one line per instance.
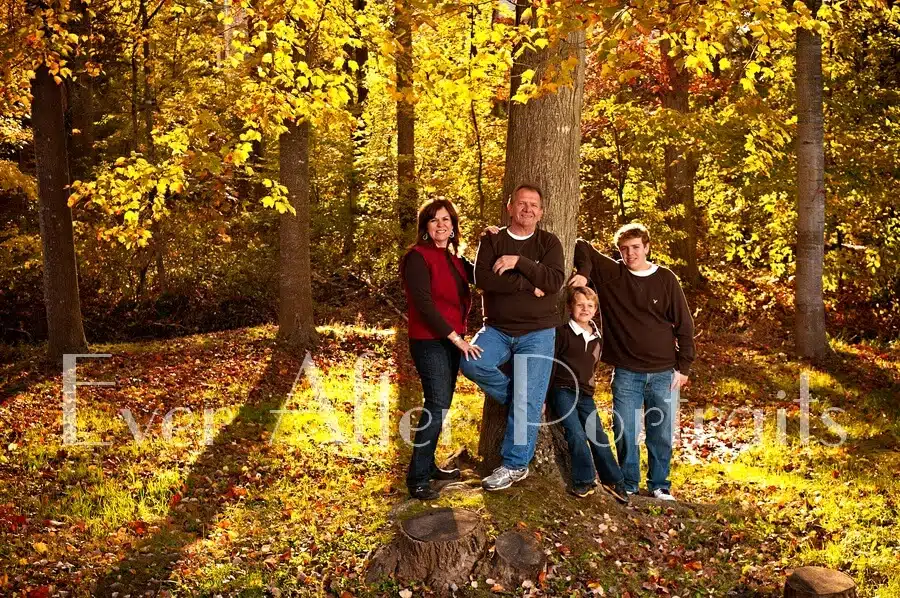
(277, 501)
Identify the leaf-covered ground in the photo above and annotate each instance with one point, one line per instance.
(263, 483)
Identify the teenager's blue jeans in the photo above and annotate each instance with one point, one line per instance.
(437, 362)
(589, 446)
(532, 356)
(644, 399)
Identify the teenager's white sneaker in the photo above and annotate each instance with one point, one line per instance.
(663, 494)
(503, 478)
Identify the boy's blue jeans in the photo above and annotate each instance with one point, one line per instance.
(532, 356)
(644, 398)
(588, 444)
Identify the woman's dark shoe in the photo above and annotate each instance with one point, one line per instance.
(424, 492)
(444, 475)
(618, 492)
(583, 490)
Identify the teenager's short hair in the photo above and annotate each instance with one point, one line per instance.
(587, 292)
(527, 187)
(633, 230)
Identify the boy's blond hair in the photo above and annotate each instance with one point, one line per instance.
(575, 291)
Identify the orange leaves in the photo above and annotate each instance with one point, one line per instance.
(138, 527)
(235, 492)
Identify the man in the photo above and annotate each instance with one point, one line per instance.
(520, 269)
(648, 337)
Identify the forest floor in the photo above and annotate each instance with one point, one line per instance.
(225, 497)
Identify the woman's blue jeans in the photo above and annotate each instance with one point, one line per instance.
(589, 445)
(437, 362)
(644, 398)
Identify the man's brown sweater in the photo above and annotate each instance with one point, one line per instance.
(647, 326)
(509, 302)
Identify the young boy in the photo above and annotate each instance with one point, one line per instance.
(571, 397)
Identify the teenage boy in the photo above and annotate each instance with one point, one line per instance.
(571, 398)
(520, 269)
(648, 337)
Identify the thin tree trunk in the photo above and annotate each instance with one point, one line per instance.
(296, 325)
(680, 168)
(810, 307)
(64, 324)
(543, 144)
(135, 129)
(358, 136)
(81, 103)
(407, 193)
(479, 175)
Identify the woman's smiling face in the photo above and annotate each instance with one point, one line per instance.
(440, 227)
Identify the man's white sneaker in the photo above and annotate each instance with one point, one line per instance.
(663, 494)
(503, 478)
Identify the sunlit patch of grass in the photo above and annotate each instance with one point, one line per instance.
(813, 503)
(734, 387)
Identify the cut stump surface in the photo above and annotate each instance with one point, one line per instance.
(819, 582)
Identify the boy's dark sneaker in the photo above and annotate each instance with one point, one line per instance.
(618, 492)
(444, 475)
(583, 490)
(424, 492)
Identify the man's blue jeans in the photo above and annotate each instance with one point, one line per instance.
(644, 398)
(532, 356)
(588, 444)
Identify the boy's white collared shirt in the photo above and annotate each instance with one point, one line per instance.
(587, 335)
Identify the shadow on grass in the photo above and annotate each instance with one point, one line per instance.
(206, 491)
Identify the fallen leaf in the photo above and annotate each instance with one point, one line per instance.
(40, 547)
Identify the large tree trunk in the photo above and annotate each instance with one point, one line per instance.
(407, 194)
(65, 328)
(543, 144)
(680, 168)
(810, 307)
(296, 325)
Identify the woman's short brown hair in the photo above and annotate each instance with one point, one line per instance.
(428, 211)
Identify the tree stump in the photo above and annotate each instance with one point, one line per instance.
(517, 557)
(439, 548)
(819, 582)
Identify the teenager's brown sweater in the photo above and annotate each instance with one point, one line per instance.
(509, 302)
(647, 326)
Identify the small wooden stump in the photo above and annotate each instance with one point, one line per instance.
(819, 582)
(517, 557)
(439, 548)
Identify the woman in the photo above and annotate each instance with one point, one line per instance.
(437, 281)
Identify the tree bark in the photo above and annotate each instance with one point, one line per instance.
(517, 556)
(296, 325)
(407, 193)
(809, 301)
(440, 548)
(680, 168)
(358, 136)
(81, 103)
(543, 145)
(64, 324)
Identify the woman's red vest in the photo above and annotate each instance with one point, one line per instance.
(444, 292)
